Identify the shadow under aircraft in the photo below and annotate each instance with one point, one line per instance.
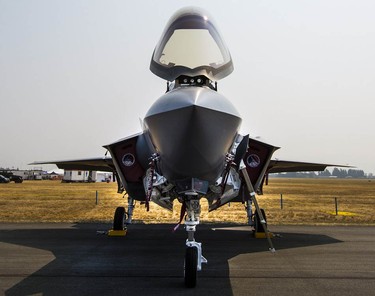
(78, 261)
(190, 146)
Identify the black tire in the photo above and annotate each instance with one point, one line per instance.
(257, 225)
(191, 262)
(119, 219)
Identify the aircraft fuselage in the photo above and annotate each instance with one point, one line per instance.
(192, 128)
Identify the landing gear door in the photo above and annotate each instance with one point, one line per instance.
(257, 159)
(128, 162)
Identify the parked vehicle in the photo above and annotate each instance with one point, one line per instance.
(11, 177)
(3, 179)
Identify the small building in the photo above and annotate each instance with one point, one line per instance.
(71, 176)
(104, 177)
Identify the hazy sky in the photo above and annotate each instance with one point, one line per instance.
(74, 75)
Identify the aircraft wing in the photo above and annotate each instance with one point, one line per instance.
(104, 164)
(282, 166)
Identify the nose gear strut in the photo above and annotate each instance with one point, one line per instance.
(193, 256)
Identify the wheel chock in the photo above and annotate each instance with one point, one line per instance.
(262, 235)
(117, 232)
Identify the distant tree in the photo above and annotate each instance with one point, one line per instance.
(325, 173)
(309, 175)
(291, 175)
(342, 173)
(339, 173)
(356, 173)
(336, 172)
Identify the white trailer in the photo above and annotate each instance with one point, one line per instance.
(104, 177)
(71, 176)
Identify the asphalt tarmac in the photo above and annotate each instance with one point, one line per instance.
(78, 259)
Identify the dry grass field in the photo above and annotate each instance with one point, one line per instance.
(305, 201)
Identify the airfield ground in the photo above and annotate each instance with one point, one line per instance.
(72, 259)
(305, 201)
(77, 258)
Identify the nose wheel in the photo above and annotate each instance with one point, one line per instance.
(193, 254)
(191, 263)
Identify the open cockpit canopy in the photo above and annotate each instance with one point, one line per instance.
(191, 45)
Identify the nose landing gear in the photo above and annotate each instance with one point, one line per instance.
(193, 254)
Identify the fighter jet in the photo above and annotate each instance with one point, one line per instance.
(190, 146)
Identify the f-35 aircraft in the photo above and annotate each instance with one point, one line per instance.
(190, 147)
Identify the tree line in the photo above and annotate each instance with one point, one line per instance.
(336, 173)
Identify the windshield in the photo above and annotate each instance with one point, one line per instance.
(191, 45)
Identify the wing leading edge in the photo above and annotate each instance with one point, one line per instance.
(283, 166)
(104, 164)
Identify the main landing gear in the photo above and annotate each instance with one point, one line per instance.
(193, 254)
(121, 219)
(259, 222)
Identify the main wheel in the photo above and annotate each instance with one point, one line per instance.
(191, 262)
(257, 225)
(119, 219)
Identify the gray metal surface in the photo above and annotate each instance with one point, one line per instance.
(64, 259)
(192, 129)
